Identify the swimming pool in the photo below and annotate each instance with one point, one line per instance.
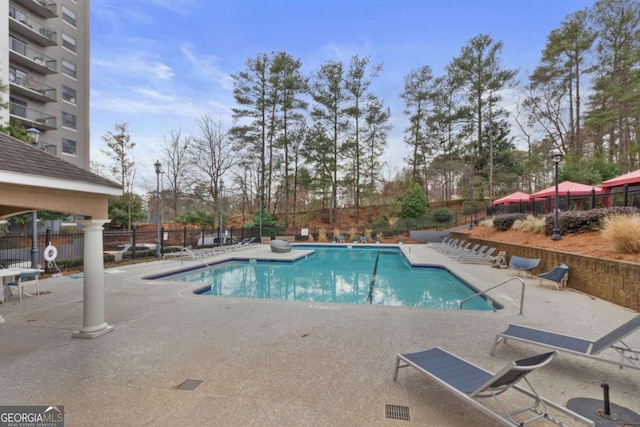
(339, 274)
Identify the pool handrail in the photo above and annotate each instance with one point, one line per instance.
(498, 285)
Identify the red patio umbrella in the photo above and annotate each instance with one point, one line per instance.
(627, 178)
(574, 188)
(512, 198)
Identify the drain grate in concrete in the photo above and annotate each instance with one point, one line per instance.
(396, 412)
(188, 385)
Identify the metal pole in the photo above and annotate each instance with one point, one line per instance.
(221, 236)
(556, 155)
(34, 239)
(157, 166)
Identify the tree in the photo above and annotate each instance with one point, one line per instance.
(125, 209)
(478, 72)
(327, 90)
(358, 79)
(285, 72)
(318, 149)
(211, 155)
(562, 60)
(175, 162)
(250, 93)
(197, 217)
(414, 202)
(416, 95)
(123, 166)
(616, 99)
(375, 132)
(16, 129)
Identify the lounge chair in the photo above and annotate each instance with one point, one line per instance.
(239, 246)
(477, 252)
(465, 249)
(485, 257)
(558, 275)
(469, 381)
(524, 265)
(451, 243)
(463, 246)
(437, 245)
(629, 358)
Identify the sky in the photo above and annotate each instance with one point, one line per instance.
(159, 65)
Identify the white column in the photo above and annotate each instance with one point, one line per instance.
(93, 324)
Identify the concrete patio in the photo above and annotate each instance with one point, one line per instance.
(282, 363)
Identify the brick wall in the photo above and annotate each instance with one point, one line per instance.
(614, 281)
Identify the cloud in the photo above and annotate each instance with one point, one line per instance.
(132, 64)
(206, 66)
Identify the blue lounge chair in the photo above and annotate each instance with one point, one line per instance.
(629, 357)
(524, 265)
(558, 274)
(469, 381)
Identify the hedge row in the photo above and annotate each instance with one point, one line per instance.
(505, 222)
(571, 222)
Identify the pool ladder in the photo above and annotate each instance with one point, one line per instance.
(373, 279)
(496, 286)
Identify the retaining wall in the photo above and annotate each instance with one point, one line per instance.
(614, 281)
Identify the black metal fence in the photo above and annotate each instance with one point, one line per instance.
(18, 250)
(618, 196)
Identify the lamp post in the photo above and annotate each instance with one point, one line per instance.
(221, 235)
(158, 168)
(556, 155)
(34, 134)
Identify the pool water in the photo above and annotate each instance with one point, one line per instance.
(340, 275)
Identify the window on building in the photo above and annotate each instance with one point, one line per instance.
(68, 120)
(18, 45)
(69, 94)
(68, 42)
(69, 147)
(18, 76)
(18, 107)
(68, 16)
(69, 68)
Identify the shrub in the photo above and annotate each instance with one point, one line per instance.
(353, 232)
(486, 223)
(505, 222)
(624, 232)
(530, 224)
(70, 263)
(393, 222)
(322, 235)
(443, 215)
(571, 222)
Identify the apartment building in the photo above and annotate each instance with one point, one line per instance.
(44, 61)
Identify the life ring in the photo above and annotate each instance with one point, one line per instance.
(50, 253)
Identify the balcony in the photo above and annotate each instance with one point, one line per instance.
(32, 88)
(48, 148)
(23, 24)
(43, 8)
(29, 117)
(21, 53)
